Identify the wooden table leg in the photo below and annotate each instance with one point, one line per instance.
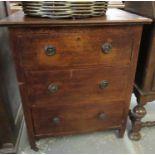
(136, 116)
(138, 113)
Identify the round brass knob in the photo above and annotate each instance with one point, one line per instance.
(50, 50)
(55, 120)
(103, 84)
(102, 116)
(53, 88)
(106, 48)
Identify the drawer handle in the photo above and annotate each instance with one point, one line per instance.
(50, 50)
(102, 116)
(103, 84)
(106, 48)
(53, 88)
(56, 120)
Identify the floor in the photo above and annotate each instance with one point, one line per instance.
(96, 143)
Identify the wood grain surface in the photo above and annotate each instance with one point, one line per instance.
(79, 86)
(77, 67)
(75, 46)
(112, 17)
(76, 119)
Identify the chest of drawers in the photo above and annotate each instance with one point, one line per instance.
(75, 76)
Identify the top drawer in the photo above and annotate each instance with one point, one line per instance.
(78, 46)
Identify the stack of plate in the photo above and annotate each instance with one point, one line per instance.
(99, 8)
(51, 9)
(64, 9)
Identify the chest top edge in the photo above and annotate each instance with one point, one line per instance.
(112, 17)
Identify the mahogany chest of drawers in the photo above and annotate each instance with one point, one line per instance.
(75, 76)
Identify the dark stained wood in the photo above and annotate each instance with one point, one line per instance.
(78, 47)
(79, 86)
(113, 17)
(23, 92)
(150, 62)
(145, 75)
(129, 89)
(77, 68)
(144, 8)
(77, 118)
(153, 86)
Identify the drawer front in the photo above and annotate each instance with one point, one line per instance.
(95, 85)
(70, 119)
(63, 47)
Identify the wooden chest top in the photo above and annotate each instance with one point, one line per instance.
(113, 16)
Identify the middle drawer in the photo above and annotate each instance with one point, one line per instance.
(91, 85)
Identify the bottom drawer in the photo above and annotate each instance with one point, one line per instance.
(69, 119)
